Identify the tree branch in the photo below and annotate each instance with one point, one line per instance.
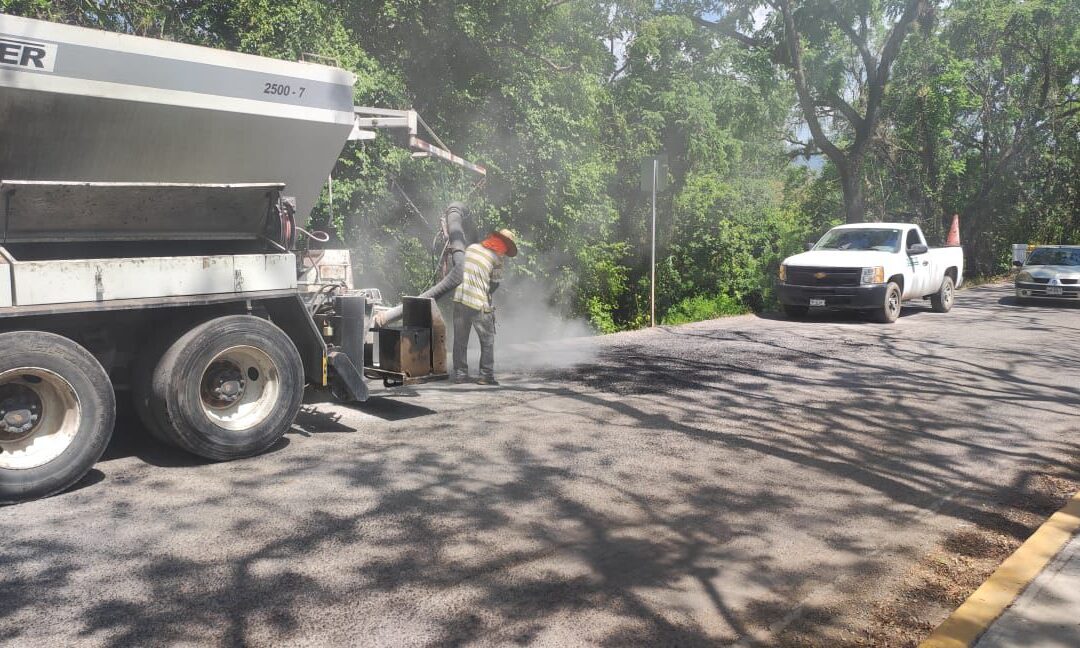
(618, 71)
(802, 149)
(912, 12)
(729, 31)
(834, 101)
(1067, 113)
(1067, 102)
(555, 4)
(802, 90)
(858, 40)
(540, 57)
(804, 153)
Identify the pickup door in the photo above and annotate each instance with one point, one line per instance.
(921, 269)
(926, 271)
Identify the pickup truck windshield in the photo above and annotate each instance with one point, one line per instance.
(861, 240)
(1055, 256)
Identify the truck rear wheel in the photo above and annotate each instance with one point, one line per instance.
(226, 389)
(942, 300)
(889, 312)
(57, 410)
(142, 377)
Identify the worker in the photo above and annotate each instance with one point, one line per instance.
(472, 303)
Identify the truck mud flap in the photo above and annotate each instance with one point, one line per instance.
(349, 378)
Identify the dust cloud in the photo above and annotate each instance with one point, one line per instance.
(531, 334)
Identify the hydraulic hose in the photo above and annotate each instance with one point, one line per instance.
(454, 215)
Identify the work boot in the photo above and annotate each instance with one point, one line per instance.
(488, 381)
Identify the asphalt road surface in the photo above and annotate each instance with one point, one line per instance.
(700, 485)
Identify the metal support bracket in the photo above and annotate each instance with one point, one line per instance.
(367, 120)
(351, 379)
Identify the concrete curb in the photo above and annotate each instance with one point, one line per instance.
(964, 626)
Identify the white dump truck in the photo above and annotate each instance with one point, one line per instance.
(152, 195)
(873, 267)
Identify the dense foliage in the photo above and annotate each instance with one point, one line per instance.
(976, 113)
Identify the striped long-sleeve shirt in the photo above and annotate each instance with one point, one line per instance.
(481, 268)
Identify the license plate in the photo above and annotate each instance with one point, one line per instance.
(1054, 290)
(817, 302)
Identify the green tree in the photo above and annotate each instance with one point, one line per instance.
(722, 135)
(984, 124)
(921, 111)
(839, 56)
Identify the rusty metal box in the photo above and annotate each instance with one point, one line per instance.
(406, 350)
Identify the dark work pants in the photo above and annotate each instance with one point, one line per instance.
(466, 319)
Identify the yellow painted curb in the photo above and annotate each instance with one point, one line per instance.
(971, 620)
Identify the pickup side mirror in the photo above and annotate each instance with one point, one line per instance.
(917, 249)
(810, 245)
(1018, 264)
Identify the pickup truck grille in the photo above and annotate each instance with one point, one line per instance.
(801, 276)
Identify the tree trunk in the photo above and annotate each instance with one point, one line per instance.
(854, 201)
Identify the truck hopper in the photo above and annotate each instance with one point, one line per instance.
(81, 105)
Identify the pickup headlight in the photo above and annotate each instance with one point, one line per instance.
(783, 272)
(874, 275)
(1025, 277)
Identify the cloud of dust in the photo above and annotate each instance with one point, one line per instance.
(531, 334)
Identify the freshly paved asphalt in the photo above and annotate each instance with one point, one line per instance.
(700, 485)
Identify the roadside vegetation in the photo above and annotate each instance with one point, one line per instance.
(778, 118)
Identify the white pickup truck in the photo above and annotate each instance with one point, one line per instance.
(872, 267)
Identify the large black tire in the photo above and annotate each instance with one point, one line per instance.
(942, 300)
(889, 311)
(69, 395)
(795, 312)
(142, 378)
(189, 402)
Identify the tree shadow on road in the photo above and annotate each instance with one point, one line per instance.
(695, 486)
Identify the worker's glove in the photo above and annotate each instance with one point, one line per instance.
(379, 320)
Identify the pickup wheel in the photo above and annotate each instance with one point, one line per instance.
(889, 312)
(57, 410)
(228, 388)
(795, 312)
(942, 300)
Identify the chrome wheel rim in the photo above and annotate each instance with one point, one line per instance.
(40, 414)
(239, 387)
(947, 297)
(894, 302)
